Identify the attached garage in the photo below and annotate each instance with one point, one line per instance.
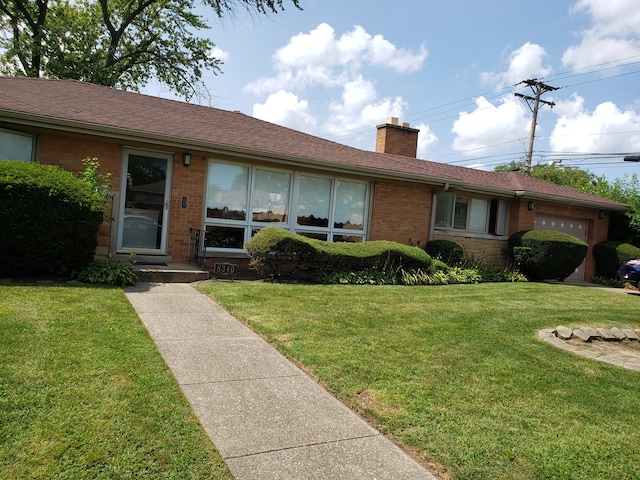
(578, 227)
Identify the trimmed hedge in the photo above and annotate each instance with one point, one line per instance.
(546, 254)
(609, 256)
(446, 250)
(49, 219)
(276, 252)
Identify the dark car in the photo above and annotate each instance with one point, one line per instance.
(629, 271)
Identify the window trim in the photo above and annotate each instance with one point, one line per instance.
(496, 216)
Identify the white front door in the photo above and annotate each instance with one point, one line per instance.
(144, 206)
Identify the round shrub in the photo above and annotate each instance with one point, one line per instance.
(609, 255)
(49, 219)
(446, 250)
(546, 254)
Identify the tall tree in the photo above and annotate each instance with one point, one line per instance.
(118, 43)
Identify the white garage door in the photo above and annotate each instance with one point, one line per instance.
(573, 226)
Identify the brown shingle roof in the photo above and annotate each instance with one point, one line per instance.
(83, 107)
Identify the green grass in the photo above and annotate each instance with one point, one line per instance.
(458, 375)
(85, 394)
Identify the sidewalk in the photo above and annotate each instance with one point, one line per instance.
(267, 418)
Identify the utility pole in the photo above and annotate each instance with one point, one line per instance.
(538, 88)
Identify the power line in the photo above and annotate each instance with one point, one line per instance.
(440, 116)
(500, 92)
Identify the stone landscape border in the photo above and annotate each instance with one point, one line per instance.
(617, 346)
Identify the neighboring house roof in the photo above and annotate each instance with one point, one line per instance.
(73, 106)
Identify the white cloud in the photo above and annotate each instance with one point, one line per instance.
(382, 53)
(285, 108)
(360, 107)
(605, 130)
(616, 17)
(495, 127)
(595, 51)
(613, 37)
(490, 127)
(318, 47)
(426, 140)
(220, 54)
(524, 63)
(319, 58)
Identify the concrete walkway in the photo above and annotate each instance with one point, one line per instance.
(267, 418)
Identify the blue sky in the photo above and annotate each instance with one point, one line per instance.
(339, 68)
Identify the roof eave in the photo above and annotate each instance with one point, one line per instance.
(604, 205)
(511, 193)
(179, 143)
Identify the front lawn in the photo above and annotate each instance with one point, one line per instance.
(84, 394)
(458, 375)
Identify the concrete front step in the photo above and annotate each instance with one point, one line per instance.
(169, 273)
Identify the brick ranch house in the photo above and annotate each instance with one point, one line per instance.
(179, 168)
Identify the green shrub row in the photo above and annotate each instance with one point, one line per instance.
(278, 253)
(49, 219)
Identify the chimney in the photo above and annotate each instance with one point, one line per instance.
(397, 139)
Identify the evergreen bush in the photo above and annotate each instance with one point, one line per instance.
(276, 252)
(546, 254)
(609, 255)
(49, 219)
(446, 250)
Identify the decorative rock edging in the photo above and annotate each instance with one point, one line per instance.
(617, 346)
(588, 334)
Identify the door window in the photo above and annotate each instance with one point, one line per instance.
(145, 206)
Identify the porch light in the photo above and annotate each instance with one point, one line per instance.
(531, 205)
(186, 159)
(601, 214)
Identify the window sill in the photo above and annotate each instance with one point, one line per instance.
(466, 234)
(225, 254)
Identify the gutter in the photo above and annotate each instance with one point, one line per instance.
(615, 206)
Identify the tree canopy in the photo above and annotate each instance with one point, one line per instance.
(117, 43)
(624, 190)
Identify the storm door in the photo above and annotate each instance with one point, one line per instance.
(144, 208)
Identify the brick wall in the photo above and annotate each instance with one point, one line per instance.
(401, 212)
(188, 181)
(486, 249)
